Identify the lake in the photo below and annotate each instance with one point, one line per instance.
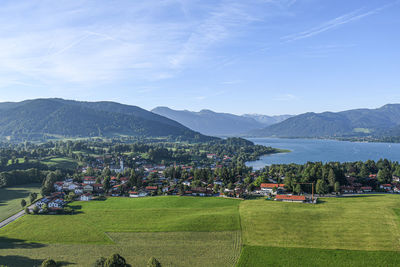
(304, 150)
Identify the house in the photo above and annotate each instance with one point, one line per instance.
(218, 182)
(42, 202)
(78, 190)
(187, 183)
(56, 203)
(366, 189)
(87, 188)
(347, 189)
(89, 180)
(396, 178)
(86, 197)
(151, 188)
(124, 180)
(98, 188)
(133, 194)
(116, 190)
(386, 187)
(58, 186)
(269, 188)
(72, 186)
(137, 194)
(211, 156)
(165, 189)
(289, 198)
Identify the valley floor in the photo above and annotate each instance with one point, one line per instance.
(190, 231)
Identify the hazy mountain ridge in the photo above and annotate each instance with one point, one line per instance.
(212, 123)
(268, 120)
(357, 122)
(70, 118)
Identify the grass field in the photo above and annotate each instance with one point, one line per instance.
(181, 231)
(61, 162)
(171, 248)
(355, 223)
(276, 256)
(190, 231)
(350, 231)
(10, 198)
(156, 214)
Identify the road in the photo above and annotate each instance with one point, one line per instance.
(14, 217)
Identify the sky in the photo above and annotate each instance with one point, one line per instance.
(255, 56)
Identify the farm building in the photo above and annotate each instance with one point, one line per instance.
(288, 198)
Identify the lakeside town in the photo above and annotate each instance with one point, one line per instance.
(159, 180)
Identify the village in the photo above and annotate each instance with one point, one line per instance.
(155, 183)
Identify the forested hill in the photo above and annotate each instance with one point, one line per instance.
(35, 119)
(384, 121)
(210, 122)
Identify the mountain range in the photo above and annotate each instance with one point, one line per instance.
(35, 119)
(219, 124)
(384, 121)
(42, 119)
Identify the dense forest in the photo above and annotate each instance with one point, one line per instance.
(42, 119)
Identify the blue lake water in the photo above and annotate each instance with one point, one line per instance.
(304, 150)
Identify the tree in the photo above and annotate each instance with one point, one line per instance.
(321, 187)
(336, 188)
(153, 262)
(32, 197)
(27, 210)
(115, 260)
(49, 263)
(384, 176)
(35, 210)
(331, 178)
(106, 183)
(297, 189)
(23, 203)
(100, 262)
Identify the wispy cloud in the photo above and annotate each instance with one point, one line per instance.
(336, 22)
(87, 42)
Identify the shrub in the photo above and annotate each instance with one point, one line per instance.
(153, 262)
(49, 263)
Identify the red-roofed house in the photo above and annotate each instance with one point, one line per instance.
(151, 188)
(269, 188)
(288, 198)
(366, 188)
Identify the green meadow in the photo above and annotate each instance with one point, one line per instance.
(190, 231)
(181, 231)
(10, 198)
(61, 162)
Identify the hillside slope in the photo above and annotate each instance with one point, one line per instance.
(32, 119)
(211, 123)
(358, 122)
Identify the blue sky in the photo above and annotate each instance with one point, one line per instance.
(253, 56)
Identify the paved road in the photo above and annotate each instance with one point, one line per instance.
(14, 217)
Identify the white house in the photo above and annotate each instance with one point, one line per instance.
(186, 183)
(137, 194)
(269, 188)
(55, 204)
(79, 190)
(86, 197)
(72, 186)
(87, 188)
